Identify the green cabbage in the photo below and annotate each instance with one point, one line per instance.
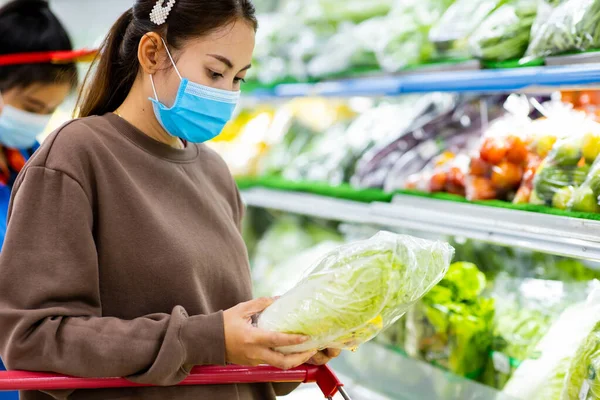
(357, 290)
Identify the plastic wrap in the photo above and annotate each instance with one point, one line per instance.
(451, 326)
(586, 198)
(525, 311)
(504, 34)
(543, 377)
(436, 120)
(583, 378)
(566, 168)
(451, 34)
(358, 290)
(445, 173)
(496, 171)
(574, 25)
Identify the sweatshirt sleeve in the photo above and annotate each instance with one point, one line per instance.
(50, 307)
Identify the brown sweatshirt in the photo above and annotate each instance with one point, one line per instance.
(120, 254)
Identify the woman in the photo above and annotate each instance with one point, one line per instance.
(135, 248)
(29, 93)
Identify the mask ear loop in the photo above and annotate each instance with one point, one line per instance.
(152, 78)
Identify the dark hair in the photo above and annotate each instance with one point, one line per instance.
(116, 67)
(29, 26)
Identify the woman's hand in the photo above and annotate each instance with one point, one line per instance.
(323, 357)
(248, 345)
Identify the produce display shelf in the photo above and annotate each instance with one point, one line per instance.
(488, 81)
(560, 235)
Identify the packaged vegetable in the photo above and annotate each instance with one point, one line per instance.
(497, 169)
(543, 377)
(586, 198)
(583, 377)
(451, 326)
(358, 290)
(451, 34)
(525, 311)
(504, 34)
(559, 177)
(573, 25)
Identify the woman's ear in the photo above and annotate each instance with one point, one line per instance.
(150, 52)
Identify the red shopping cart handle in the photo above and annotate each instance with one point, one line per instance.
(206, 375)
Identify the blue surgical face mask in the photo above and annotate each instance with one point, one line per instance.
(199, 113)
(19, 129)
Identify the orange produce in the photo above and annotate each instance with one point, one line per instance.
(507, 176)
(479, 188)
(493, 150)
(438, 182)
(517, 150)
(478, 167)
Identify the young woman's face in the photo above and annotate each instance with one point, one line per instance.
(219, 60)
(37, 98)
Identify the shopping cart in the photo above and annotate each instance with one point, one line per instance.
(209, 375)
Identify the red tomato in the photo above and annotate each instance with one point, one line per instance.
(438, 182)
(493, 150)
(478, 167)
(479, 188)
(517, 150)
(456, 177)
(506, 175)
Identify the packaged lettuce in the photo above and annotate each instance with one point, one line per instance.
(583, 380)
(451, 327)
(544, 377)
(358, 290)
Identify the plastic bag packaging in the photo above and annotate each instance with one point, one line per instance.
(574, 25)
(504, 34)
(285, 275)
(495, 172)
(586, 198)
(450, 35)
(390, 129)
(543, 377)
(566, 168)
(445, 173)
(583, 378)
(286, 236)
(358, 290)
(451, 327)
(525, 311)
(437, 163)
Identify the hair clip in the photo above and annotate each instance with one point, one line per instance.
(160, 13)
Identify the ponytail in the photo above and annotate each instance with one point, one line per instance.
(108, 81)
(116, 67)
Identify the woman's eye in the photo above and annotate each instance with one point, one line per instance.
(215, 75)
(238, 80)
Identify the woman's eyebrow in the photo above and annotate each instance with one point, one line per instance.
(227, 61)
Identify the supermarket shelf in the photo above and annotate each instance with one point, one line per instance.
(565, 236)
(495, 80)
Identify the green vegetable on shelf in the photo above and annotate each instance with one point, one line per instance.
(585, 200)
(572, 26)
(583, 377)
(451, 327)
(505, 33)
(563, 198)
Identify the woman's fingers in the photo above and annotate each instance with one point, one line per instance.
(252, 307)
(323, 357)
(276, 339)
(285, 362)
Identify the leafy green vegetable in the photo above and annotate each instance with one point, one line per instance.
(574, 25)
(504, 34)
(451, 327)
(583, 378)
(358, 290)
